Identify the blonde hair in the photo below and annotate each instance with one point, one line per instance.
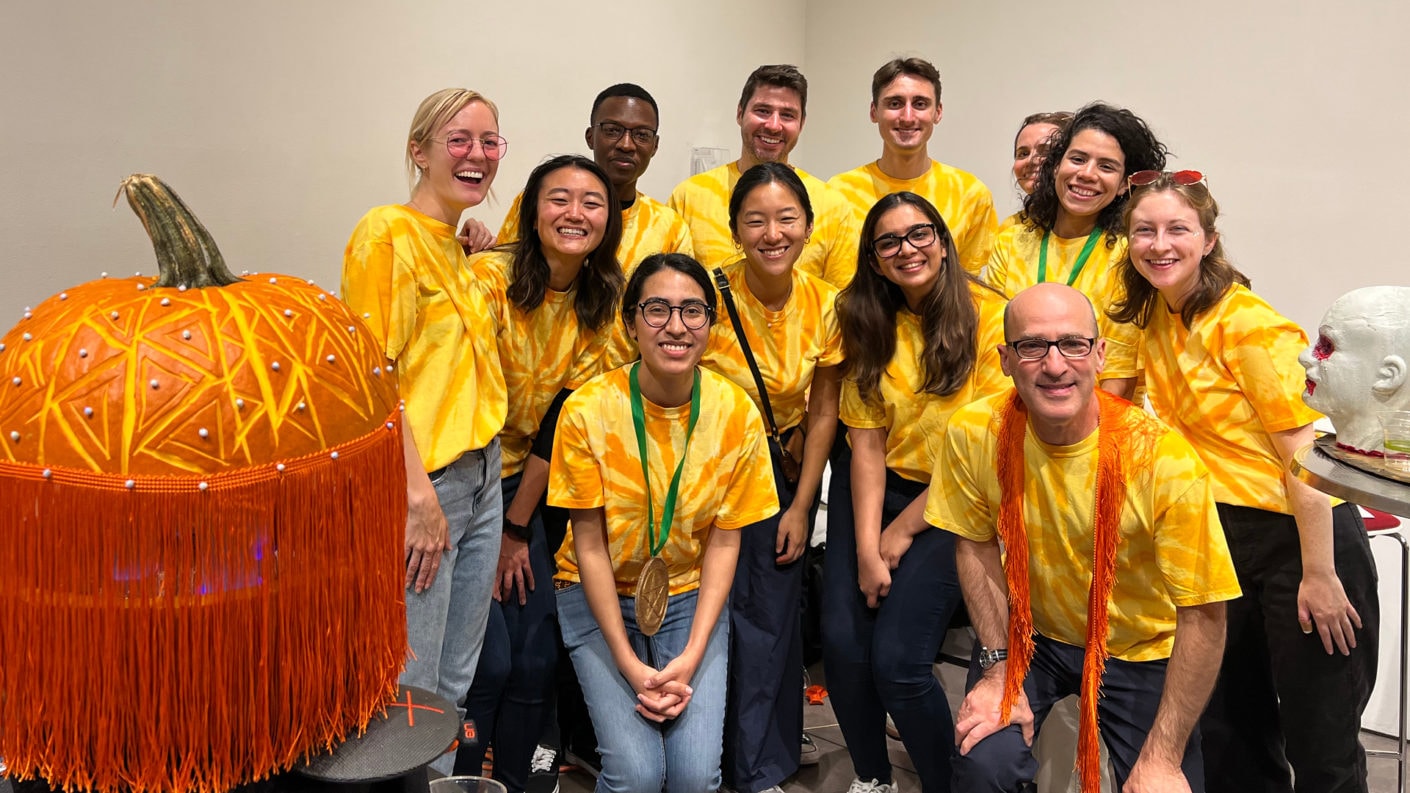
(435, 112)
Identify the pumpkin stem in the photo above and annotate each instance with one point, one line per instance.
(186, 253)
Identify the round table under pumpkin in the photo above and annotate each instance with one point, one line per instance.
(202, 500)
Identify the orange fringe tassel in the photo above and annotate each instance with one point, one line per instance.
(179, 633)
(1110, 496)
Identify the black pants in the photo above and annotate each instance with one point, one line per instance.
(1281, 699)
(764, 707)
(1130, 696)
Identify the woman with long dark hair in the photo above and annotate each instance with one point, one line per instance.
(553, 295)
(920, 338)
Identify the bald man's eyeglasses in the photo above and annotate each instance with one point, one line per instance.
(1068, 346)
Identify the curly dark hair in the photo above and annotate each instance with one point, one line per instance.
(1143, 152)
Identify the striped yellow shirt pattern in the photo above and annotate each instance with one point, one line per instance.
(1014, 267)
(961, 198)
(405, 274)
(1225, 384)
(788, 344)
(1171, 550)
(911, 417)
(831, 253)
(540, 352)
(727, 480)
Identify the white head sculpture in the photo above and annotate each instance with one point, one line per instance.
(1358, 366)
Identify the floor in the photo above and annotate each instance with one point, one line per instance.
(833, 773)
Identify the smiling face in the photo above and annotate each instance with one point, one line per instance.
(668, 354)
(1091, 175)
(772, 228)
(624, 159)
(450, 185)
(1168, 243)
(572, 215)
(769, 125)
(1059, 392)
(906, 113)
(1029, 149)
(914, 270)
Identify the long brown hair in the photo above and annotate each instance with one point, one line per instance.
(1216, 273)
(599, 282)
(867, 308)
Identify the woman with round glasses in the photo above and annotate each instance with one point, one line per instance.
(921, 339)
(1222, 368)
(660, 462)
(1071, 229)
(404, 271)
(1030, 148)
(787, 320)
(552, 296)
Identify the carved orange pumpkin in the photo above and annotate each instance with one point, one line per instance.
(202, 496)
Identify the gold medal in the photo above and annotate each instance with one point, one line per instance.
(652, 590)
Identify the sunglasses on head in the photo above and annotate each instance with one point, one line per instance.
(1183, 178)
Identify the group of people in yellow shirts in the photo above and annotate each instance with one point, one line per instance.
(620, 413)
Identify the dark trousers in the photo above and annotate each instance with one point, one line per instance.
(1281, 699)
(510, 698)
(1130, 695)
(764, 706)
(881, 660)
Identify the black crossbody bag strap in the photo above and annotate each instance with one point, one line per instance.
(723, 283)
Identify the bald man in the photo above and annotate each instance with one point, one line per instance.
(1150, 629)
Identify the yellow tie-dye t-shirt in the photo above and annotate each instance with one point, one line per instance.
(1226, 384)
(405, 274)
(788, 344)
(1171, 550)
(831, 252)
(727, 480)
(1016, 219)
(540, 352)
(648, 226)
(1014, 267)
(961, 198)
(912, 417)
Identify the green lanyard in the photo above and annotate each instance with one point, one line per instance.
(656, 541)
(1081, 257)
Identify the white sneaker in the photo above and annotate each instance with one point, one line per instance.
(774, 789)
(543, 771)
(871, 786)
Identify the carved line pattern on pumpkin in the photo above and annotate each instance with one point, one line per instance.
(237, 336)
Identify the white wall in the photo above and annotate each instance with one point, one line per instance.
(1296, 111)
(280, 123)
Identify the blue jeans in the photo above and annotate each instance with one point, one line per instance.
(514, 679)
(446, 622)
(880, 660)
(1131, 692)
(641, 756)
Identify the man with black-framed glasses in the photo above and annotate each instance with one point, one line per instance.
(624, 133)
(1114, 569)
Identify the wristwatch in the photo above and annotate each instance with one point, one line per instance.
(987, 657)
(521, 532)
